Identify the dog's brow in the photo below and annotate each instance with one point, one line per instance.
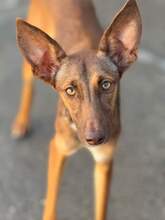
(107, 62)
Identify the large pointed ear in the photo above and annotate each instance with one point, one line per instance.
(42, 52)
(121, 40)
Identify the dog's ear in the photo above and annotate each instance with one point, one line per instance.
(42, 52)
(121, 40)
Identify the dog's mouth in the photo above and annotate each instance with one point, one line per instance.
(95, 141)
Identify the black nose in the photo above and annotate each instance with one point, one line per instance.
(94, 138)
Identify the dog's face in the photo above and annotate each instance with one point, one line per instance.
(87, 81)
(88, 84)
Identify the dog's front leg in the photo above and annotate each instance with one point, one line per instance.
(102, 178)
(55, 167)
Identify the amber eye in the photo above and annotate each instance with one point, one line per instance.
(70, 90)
(106, 84)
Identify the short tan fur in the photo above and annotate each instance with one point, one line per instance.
(64, 45)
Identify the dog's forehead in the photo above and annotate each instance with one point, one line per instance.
(90, 62)
(85, 64)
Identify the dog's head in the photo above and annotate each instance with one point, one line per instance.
(87, 81)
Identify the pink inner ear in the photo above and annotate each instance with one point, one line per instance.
(128, 36)
(47, 67)
(36, 55)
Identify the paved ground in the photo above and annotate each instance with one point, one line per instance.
(139, 182)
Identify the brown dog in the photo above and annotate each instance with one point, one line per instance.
(85, 67)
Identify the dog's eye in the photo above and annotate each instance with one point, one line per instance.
(106, 84)
(70, 90)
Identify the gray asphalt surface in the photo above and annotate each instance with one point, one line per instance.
(138, 191)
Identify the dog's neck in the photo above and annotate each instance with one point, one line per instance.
(76, 24)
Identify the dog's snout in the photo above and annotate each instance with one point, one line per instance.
(95, 138)
(93, 134)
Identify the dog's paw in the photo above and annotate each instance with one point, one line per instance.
(19, 130)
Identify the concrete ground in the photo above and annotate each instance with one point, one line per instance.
(138, 191)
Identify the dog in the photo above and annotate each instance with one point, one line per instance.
(63, 44)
